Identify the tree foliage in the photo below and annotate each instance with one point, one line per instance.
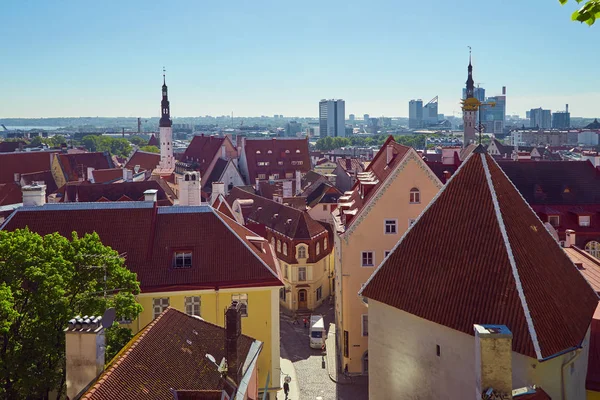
(587, 13)
(138, 140)
(116, 146)
(150, 149)
(45, 282)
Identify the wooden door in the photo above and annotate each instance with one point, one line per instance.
(302, 299)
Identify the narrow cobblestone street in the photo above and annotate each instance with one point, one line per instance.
(313, 379)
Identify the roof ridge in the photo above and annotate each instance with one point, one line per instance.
(511, 258)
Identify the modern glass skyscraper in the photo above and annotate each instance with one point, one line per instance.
(415, 114)
(332, 118)
(539, 118)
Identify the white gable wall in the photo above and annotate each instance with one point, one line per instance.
(403, 361)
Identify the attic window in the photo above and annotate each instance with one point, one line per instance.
(270, 152)
(584, 220)
(287, 152)
(182, 259)
(257, 151)
(280, 162)
(567, 190)
(554, 220)
(297, 151)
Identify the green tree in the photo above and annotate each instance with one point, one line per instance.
(138, 141)
(150, 149)
(90, 142)
(587, 13)
(36, 141)
(45, 282)
(117, 146)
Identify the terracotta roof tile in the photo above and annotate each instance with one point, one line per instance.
(153, 141)
(144, 159)
(495, 263)
(22, 163)
(289, 152)
(148, 235)
(107, 175)
(350, 164)
(592, 381)
(10, 193)
(42, 176)
(169, 353)
(9, 147)
(122, 191)
(75, 166)
(215, 174)
(202, 150)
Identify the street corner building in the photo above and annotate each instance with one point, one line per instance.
(478, 294)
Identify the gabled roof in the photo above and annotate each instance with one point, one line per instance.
(350, 164)
(10, 193)
(75, 166)
(144, 159)
(286, 220)
(593, 125)
(107, 175)
(440, 169)
(169, 353)
(380, 170)
(9, 147)
(215, 175)
(555, 182)
(122, 191)
(321, 192)
(148, 235)
(202, 150)
(274, 150)
(22, 163)
(153, 141)
(42, 176)
(495, 263)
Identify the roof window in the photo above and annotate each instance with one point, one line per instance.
(182, 259)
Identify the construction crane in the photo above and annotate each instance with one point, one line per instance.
(5, 128)
(480, 83)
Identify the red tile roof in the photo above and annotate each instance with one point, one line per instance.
(380, 170)
(107, 175)
(288, 221)
(42, 176)
(10, 193)
(148, 235)
(495, 263)
(169, 353)
(22, 163)
(350, 164)
(75, 166)
(592, 381)
(289, 152)
(440, 170)
(144, 159)
(9, 147)
(153, 141)
(202, 150)
(122, 191)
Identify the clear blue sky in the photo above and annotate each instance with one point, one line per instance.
(104, 58)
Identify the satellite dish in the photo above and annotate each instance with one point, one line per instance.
(108, 318)
(211, 358)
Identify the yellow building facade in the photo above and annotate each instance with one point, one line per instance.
(362, 245)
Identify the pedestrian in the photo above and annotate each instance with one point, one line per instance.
(295, 321)
(286, 389)
(305, 322)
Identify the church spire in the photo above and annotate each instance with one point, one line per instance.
(470, 82)
(165, 108)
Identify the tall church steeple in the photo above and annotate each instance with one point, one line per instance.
(470, 82)
(165, 108)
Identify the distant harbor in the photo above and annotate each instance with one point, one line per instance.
(28, 128)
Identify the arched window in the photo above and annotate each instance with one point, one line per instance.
(593, 248)
(285, 248)
(415, 196)
(318, 250)
(325, 244)
(278, 246)
(302, 252)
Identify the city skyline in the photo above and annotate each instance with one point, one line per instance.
(259, 59)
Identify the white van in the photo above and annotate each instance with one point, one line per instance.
(317, 333)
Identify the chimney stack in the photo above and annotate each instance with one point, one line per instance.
(287, 189)
(233, 332)
(218, 188)
(493, 360)
(84, 353)
(569, 238)
(90, 174)
(127, 175)
(298, 182)
(389, 154)
(151, 195)
(223, 152)
(34, 195)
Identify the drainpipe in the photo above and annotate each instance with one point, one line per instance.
(217, 304)
(562, 374)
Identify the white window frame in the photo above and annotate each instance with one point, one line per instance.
(186, 259)
(362, 258)
(278, 246)
(284, 248)
(583, 222)
(301, 269)
(318, 248)
(262, 176)
(193, 304)
(160, 304)
(241, 298)
(392, 224)
(415, 196)
(302, 251)
(551, 217)
(364, 324)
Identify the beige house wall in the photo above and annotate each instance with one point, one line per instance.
(367, 233)
(403, 353)
(317, 275)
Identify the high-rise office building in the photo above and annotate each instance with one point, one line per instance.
(351, 118)
(539, 118)
(366, 118)
(478, 93)
(415, 114)
(561, 119)
(332, 118)
(430, 112)
(493, 118)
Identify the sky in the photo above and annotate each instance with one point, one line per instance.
(105, 58)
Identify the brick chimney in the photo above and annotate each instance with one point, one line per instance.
(233, 332)
(34, 195)
(85, 345)
(493, 360)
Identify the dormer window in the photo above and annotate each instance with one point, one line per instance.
(325, 244)
(279, 246)
(554, 220)
(270, 152)
(302, 252)
(257, 151)
(182, 259)
(318, 249)
(584, 220)
(285, 249)
(287, 152)
(297, 151)
(415, 196)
